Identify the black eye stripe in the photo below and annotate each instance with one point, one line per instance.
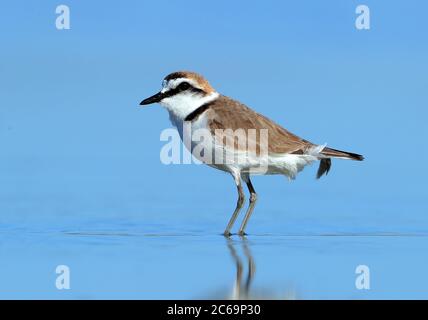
(183, 86)
(196, 90)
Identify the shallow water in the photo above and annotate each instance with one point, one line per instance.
(130, 238)
(133, 263)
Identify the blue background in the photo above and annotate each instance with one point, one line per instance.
(82, 183)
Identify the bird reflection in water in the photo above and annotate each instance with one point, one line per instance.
(242, 289)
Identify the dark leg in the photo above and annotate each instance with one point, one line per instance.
(251, 266)
(239, 268)
(253, 199)
(239, 205)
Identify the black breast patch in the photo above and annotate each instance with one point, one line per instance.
(196, 113)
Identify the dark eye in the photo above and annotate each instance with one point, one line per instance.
(183, 86)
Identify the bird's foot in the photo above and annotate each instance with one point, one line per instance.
(227, 234)
(241, 233)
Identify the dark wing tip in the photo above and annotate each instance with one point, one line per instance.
(359, 157)
(355, 156)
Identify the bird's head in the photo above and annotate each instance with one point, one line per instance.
(182, 91)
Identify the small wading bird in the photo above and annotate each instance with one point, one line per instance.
(190, 99)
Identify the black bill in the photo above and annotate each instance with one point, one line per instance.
(153, 99)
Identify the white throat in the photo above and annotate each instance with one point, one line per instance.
(181, 105)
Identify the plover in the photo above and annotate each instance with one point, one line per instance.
(190, 100)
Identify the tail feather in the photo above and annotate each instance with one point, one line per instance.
(329, 152)
(325, 163)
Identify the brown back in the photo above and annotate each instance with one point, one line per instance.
(225, 113)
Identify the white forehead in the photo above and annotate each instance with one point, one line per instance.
(173, 83)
